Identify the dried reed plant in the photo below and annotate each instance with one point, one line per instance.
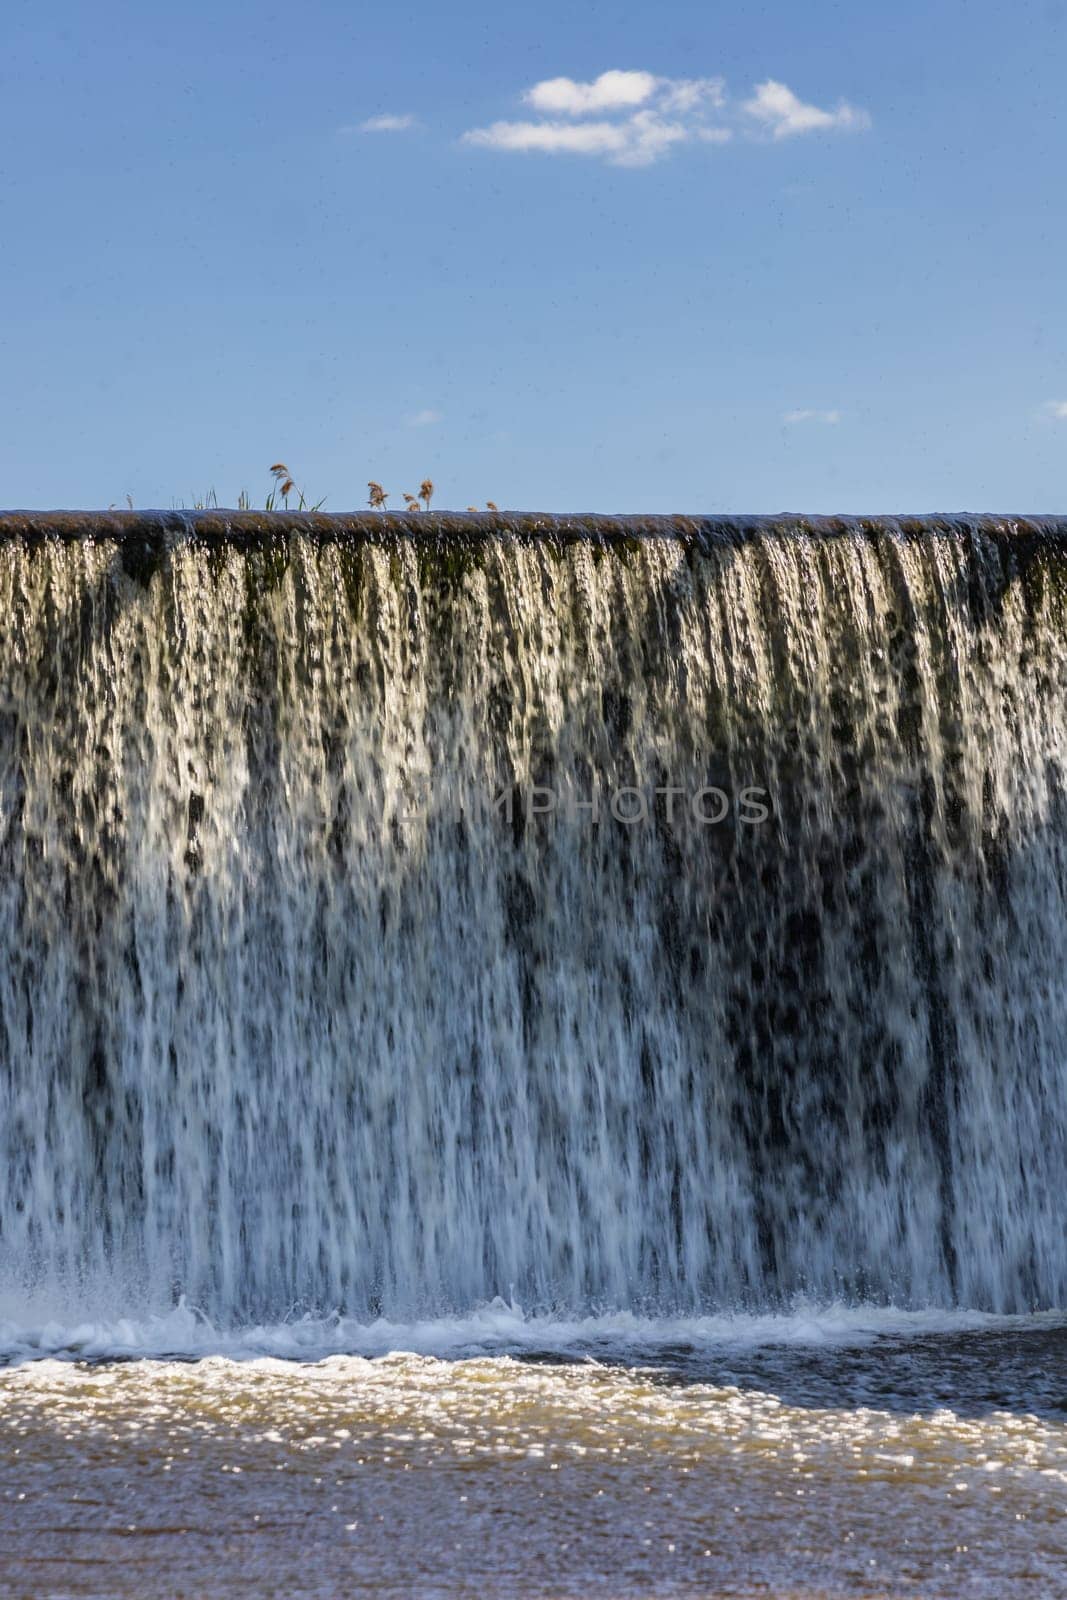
(285, 485)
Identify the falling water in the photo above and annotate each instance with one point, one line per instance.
(370, 936)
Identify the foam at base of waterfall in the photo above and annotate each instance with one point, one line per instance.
(498, 1328)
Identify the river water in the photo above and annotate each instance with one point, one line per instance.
(832, 1453)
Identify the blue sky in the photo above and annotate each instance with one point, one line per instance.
(794, 256)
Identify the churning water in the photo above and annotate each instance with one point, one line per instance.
(655, 925)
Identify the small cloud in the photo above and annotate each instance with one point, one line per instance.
(784, 115)
(633, 119)
(637, 142)
(687, 94)
(812, 416)
(612, 91)
(648, 138)
(389, 123)
(425, 419)
(587, 139)
(1057, 409)
(653, 114)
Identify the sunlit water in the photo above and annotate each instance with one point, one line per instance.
(833, 1453)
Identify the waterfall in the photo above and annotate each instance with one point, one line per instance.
(641, 913)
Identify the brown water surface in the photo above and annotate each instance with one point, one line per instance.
(768, 1471)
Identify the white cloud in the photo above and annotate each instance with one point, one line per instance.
(632, 119)
(612, 91)
(812, 416)
(622, 91)
(686, 94)
(425, 419)
(651, 116)
(636, 142)
(783, 114)
(1057, 409)
(586, 138)
(388, 123)
(648, 138)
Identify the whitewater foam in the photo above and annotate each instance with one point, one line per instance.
(495, 1329)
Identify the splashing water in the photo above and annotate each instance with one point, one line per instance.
(371, 943)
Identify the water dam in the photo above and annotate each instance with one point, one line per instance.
(605, 914)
